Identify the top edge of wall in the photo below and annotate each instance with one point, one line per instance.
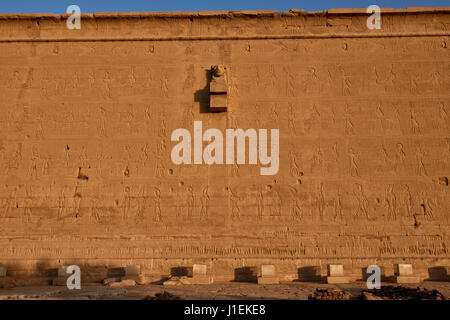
(245, 13)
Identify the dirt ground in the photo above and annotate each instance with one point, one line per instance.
(219, 291)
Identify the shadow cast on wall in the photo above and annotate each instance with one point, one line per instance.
(310, 274)
(246, 274)
(202, 96)
(438, 274)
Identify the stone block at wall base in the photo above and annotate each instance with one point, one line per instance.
(268, 280)
(406, 279)
(336, 280)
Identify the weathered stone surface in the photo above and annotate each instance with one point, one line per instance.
(364, 128)
(213, 13)
(2, 271)
(218, 102)
(246, 274)
(335, 270)
(238, 13)
(338, 279)
(403, 269)
(185, 280)
(339, 21)
(199, 270)
(268, 280)
(403, 293)
(218, 86)
(132, 270)
(267, 270)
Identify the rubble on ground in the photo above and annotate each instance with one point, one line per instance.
(402, 293)
(162, 296)
(330, 294)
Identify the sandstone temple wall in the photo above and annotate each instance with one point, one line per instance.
(86, 118)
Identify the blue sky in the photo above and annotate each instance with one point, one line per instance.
(59, 6)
